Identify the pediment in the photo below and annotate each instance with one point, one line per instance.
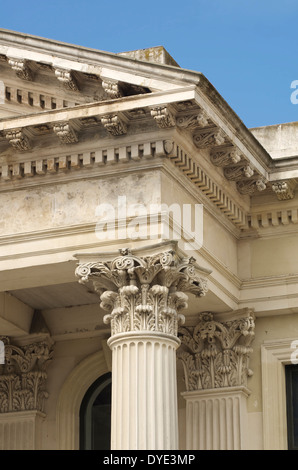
(37, 74)
(28, 87)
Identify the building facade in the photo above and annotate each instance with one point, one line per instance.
(148, 245)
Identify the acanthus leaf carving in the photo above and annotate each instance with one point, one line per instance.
(66, 77)
(236, 173)
(208, 138)
(225, 156)
(112, 88)
(284, 190)
(114, 124)
(193, 121)
(66, 133)
(21, 67)
(23, 376)
(163, 117)
(144, 293)
(18, 139)
(216, 354)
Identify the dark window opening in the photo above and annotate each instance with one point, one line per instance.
(292, 405)
(95, 415)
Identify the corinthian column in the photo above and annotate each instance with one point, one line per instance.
(144, 296)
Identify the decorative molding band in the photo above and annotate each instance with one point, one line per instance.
(216, 354)
(272, 218)
(76, 161)
(204, 183)
(33, 99)
(274, 356)
(23, 376)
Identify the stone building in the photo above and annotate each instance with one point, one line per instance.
(148, 257)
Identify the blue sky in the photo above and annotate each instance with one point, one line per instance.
(246, 48)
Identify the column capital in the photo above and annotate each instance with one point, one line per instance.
(23, 376)
(215, 354)
(144, 293)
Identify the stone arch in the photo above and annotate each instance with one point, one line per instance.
(71, 395)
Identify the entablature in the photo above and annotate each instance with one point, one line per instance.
(199, 142)
(74, 108)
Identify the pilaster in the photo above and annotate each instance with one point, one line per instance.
(215, 358)
(23, 394)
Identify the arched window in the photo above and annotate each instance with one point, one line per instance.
(95, 415)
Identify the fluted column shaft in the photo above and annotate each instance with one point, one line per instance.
(144, 392)
(216, 419)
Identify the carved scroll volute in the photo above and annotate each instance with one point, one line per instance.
(144, 293)
(216, 354)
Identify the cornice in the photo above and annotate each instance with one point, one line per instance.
(50, 51)
(209, 128)
(142, 156)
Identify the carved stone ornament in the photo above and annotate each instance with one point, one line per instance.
(112, 88)
(66, 133)
(17, 139)
(225, 156)
(284, 190)
(208, 138)
(193, 121)
(144, 293)
(163, 117)
(216, 354)
(248, 187)
(235, 173)
(114, 124)
(66, 77)
(23, 376)
(21, 68)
